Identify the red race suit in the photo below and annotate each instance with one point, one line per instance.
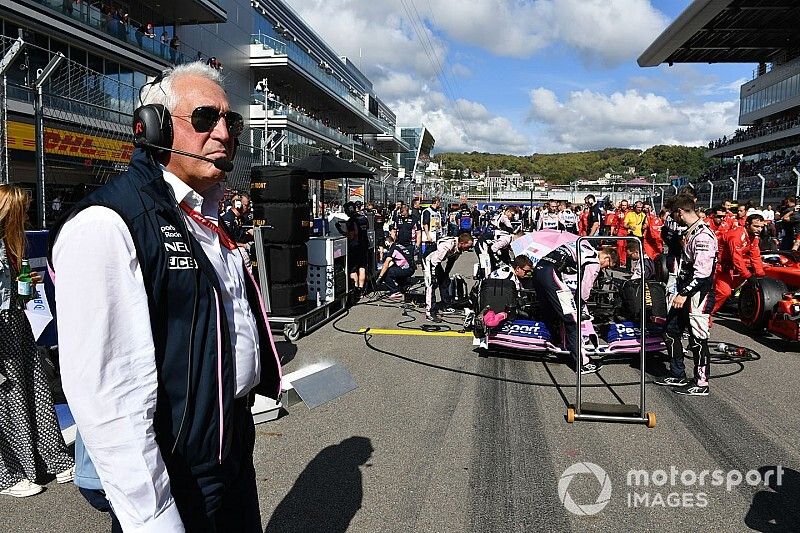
(653, 243)
(739, 259)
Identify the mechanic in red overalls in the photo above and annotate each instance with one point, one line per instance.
(652, 241)
(620, 230)
(609, 219)
(730, 216)
(741, 215)
(719, 222)
(739, 259)
(583, 222)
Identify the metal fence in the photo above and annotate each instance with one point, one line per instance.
(771, 190)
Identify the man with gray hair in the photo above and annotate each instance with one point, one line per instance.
(162, 332)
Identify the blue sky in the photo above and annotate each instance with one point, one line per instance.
(528, 76)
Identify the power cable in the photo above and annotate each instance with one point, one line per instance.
(430, 52)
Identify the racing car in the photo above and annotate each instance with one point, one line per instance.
(508, 319)
(772, 303)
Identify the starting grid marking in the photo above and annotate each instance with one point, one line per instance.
(420, 333)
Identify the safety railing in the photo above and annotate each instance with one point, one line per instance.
(127, 30)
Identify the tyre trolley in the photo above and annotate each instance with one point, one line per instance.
(610, 412)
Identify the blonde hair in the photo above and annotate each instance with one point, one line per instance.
(14, 204)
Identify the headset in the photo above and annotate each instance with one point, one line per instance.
(153, 130)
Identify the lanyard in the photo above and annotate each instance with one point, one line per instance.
(224, 239)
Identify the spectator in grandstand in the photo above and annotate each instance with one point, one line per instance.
(397, 268)
(739, 259)
(174, 49)
(556, 299)
(162, 282)
(438, 264)
(31, 444)
(691, 301)
(164, 43)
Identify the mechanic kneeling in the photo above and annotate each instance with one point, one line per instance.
(397, 269)
(556, 300)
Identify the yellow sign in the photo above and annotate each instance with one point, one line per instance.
(69, 143)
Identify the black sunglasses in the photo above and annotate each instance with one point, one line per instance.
(205, 118)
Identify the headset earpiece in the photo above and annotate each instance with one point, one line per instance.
(152, 125)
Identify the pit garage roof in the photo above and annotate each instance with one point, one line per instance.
(728, 31)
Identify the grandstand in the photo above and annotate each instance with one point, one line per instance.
(759, 161)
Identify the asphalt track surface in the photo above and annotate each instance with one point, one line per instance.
(437, 439)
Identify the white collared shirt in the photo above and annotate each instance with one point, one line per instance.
(229, 266)
(108, 358)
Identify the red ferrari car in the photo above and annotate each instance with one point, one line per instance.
(773, 302)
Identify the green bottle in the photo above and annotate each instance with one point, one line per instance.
(24, 283)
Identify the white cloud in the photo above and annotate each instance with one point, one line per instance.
(604, 31)
(461, 71)
(587, 120)
(402, 46)
(463, 125)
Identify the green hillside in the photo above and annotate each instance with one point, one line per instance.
(566, 167)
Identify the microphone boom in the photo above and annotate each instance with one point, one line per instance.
(223, 163)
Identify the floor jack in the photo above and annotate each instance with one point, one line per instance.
(610, 412)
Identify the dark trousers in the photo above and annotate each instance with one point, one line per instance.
(98, 500)
(547, 283)
(694, 318)
(397, 278)
(227, 499)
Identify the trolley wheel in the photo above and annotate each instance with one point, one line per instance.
(651, 420)
(570, 414)
(291, 332)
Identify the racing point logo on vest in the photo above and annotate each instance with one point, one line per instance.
(179, 256)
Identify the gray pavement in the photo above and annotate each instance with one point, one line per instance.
(437, 439)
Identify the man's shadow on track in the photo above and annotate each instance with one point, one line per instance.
(328, 493)
(778, 509)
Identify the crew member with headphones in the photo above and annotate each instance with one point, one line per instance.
(162, 331)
